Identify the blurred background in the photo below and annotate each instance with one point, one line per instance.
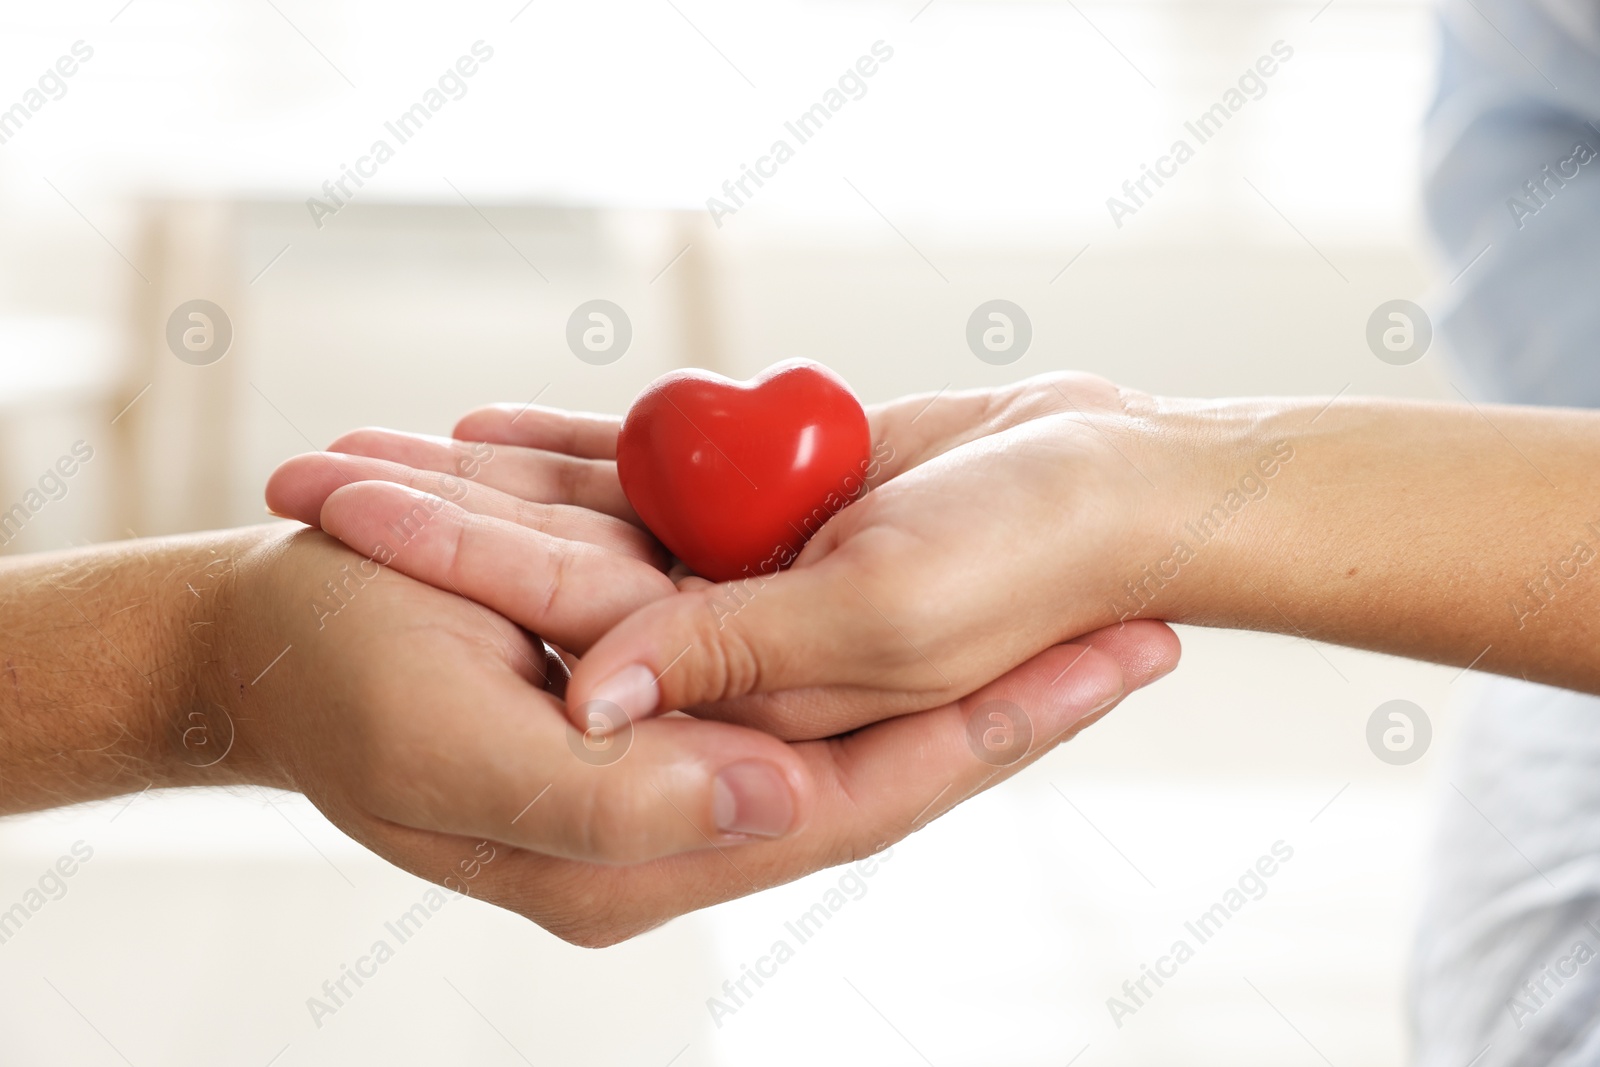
(178, 163)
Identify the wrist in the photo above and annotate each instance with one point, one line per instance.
(108, 684)
(1213, 504)
(224, 735)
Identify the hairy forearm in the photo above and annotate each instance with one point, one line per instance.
(107, 656)
(1441, 532)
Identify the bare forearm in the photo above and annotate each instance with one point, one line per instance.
(1442, 532)
(105, 653)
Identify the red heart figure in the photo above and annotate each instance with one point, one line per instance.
(735, 477)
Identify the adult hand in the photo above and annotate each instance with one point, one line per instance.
(418, 721)
(1010, 518)
(1007, 519)
(997, 525)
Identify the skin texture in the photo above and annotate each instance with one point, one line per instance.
(1009, 519)
(427, 725)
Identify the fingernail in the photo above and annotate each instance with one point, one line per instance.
(633, 689)
(1154, 678)
(1072, 722)
(752, 797)
(1109, 702)
(1069, 729)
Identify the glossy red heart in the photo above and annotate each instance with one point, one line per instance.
(735, 477)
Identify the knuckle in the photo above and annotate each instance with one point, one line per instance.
(616, 828)
(906, 609)
(470, 457)
(730, 664)
(454, 488)
(550, 581)
(450, 543)
(529, 514)
(569, 476)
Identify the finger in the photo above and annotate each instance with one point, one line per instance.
(872, 789)
(911, 430)
(907, 771)
(300, 486)
(574, 433)
(568, 591)
(804, 714)
(545, 477)
(1147, 650)
(495, 759)
(810, 652)
(806, 627)
(861, 615)
(576, 900)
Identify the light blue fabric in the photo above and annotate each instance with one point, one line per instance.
(1524, 321)
(1514, 886)
(1514, 881)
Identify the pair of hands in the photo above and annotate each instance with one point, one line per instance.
(833, 706)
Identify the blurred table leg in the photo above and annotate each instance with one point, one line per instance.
(175, 441)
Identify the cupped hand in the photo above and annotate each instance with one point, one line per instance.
(423, 723)
(999, 523)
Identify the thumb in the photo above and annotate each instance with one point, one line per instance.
(806, 627)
